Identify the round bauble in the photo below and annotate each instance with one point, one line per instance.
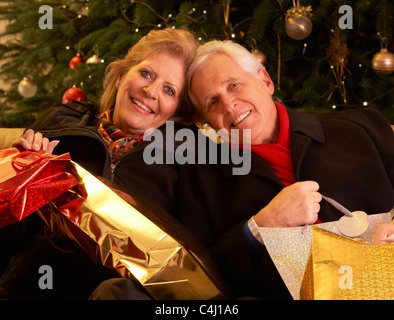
(259, 56)
(94, 59)
(298, 25)
(383, 62)
(27, 88)
(74, 94)
(76, 61)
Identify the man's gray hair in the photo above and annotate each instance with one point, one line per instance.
(234, 50)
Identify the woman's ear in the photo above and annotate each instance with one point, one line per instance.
(117, 84)
(266, 80)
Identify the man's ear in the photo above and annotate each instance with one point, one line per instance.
(266, 80)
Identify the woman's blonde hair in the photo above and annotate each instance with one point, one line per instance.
(177, 42)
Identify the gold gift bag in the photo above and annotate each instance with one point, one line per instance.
(340, 268)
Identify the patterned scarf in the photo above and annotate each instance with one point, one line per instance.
(117, 141)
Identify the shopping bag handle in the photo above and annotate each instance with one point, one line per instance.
(23, 166)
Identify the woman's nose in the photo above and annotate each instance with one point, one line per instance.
(151, 90)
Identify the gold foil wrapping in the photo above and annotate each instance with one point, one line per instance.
(293, 251)
(124, 239)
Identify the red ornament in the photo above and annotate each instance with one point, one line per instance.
(74, 94)
(76, 61)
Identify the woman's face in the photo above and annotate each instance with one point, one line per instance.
(148, 94)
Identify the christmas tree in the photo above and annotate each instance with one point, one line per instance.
(323, 56)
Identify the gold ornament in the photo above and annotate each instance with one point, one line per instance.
(94, 59)
(27, 88)
(298, 22)
(383, 62)
(259, 56)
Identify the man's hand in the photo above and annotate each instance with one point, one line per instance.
(34, 142)
(296, 205)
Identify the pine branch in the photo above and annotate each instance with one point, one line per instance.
(262, 16)
(385, 19)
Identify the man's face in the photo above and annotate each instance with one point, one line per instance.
(230, 98)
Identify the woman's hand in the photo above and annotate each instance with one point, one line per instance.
(34, 142)
(296, 205)
(383, 232)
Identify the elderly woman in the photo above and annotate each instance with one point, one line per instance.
(141, 92)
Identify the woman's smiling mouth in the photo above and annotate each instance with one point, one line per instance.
(142, 106)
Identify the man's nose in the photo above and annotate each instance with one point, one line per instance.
(229, 104)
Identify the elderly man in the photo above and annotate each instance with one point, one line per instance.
(296, 158)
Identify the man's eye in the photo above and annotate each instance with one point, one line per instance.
(211, 103)
(234, 85)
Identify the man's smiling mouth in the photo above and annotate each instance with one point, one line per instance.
(240, 118)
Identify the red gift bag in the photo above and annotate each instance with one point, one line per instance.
(29, 180)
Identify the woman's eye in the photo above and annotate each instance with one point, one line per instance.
(169, 91)
(146, 74)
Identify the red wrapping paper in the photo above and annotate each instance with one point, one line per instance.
(30, 180)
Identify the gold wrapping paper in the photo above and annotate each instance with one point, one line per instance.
(290, 248)
(345, 269)
(122, 238)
